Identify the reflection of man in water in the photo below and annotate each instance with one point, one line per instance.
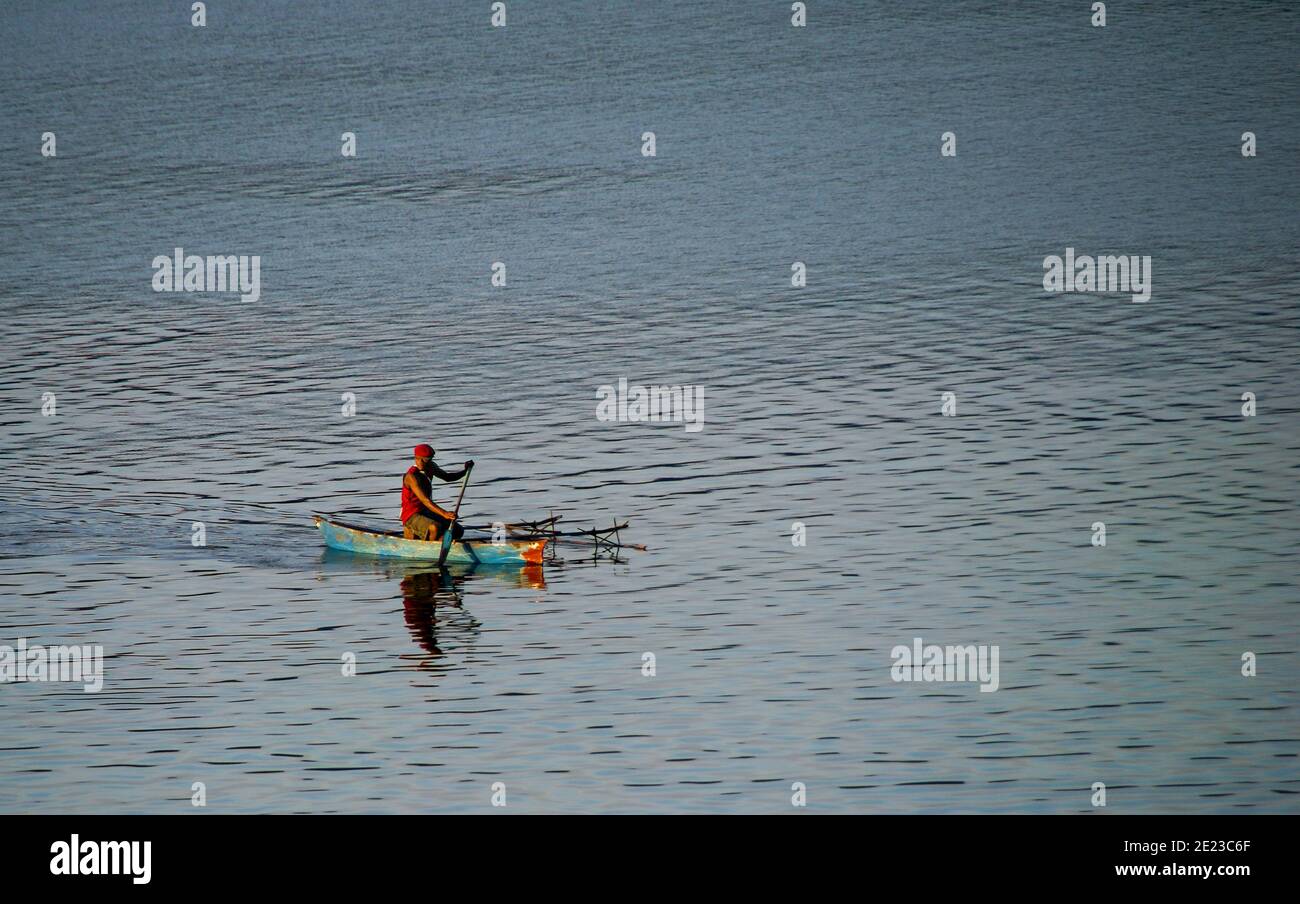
(420, 599)
(424, 591)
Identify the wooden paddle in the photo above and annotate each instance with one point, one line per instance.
(446, 537)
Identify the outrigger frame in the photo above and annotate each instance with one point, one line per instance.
(605, 539)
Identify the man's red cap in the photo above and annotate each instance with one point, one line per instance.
(424, 450)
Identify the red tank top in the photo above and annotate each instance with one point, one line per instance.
(410, 503)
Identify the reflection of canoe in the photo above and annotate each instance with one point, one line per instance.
(465, 551)
(341, 562)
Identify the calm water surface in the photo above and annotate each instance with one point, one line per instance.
(1118, 664)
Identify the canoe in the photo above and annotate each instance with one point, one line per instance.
(466, 551)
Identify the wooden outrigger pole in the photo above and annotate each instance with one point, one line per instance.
(607, 538)
(544, 526)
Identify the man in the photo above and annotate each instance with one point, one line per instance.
(422, 518)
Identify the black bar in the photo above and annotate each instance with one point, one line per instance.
(942, 854)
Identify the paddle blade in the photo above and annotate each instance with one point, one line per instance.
(446, 545)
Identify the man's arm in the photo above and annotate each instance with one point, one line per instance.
(425, 501)
(447, 476)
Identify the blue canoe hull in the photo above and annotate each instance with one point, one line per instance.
(463, 552)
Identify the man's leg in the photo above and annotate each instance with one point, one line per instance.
(418, 527)
(440, 528)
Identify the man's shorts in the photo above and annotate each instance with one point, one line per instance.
(428, 527)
